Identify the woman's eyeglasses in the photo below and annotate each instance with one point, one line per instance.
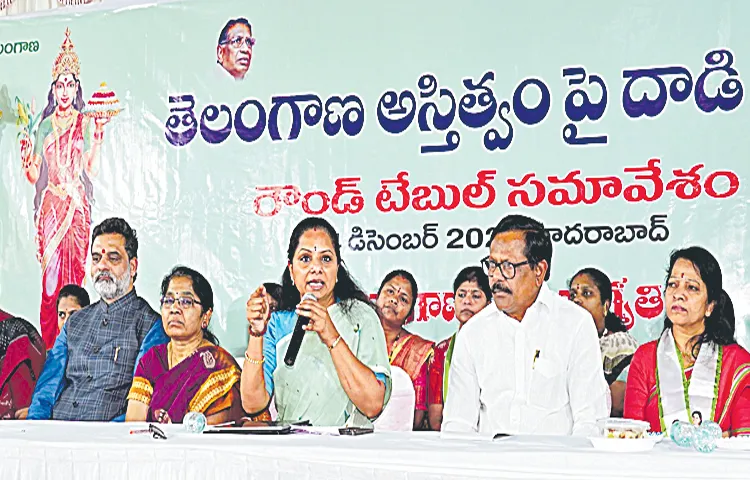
(183, 302)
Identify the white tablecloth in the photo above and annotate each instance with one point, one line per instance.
(51, 450)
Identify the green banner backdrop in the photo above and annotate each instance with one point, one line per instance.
(413, 127)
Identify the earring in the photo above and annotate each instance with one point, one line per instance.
(204, 325)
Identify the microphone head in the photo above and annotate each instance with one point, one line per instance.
(309, 296)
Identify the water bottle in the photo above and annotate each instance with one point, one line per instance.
(713, 427)
(706, 437)
(194, 422)
(682, 433)
(704, 440)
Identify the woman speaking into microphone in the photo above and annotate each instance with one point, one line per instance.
(340, 374)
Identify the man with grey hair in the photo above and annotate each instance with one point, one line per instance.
(89, 371)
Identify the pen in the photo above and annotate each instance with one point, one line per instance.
(117, 350)
(304, 430)
(225, 424)
(133, 432)
(536, 355)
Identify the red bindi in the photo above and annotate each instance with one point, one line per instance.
(103, 251)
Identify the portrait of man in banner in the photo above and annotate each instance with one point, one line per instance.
(234, 51)
(60, 150)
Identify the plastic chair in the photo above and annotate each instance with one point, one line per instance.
(398, 415)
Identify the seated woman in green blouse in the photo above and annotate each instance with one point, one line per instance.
(341, 375)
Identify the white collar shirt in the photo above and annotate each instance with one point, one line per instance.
(542, 375)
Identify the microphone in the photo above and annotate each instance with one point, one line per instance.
(297, 335)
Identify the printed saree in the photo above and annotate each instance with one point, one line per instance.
(411, 353)
(207, 382)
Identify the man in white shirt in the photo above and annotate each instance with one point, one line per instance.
(529, 363)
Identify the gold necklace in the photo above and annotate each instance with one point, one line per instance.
(393, 345)
(65, 115)
(170, 354)
(687, 358)
(57, 129)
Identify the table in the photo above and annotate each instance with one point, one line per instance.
(46, 450)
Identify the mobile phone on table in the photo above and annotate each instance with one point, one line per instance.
(355, 431)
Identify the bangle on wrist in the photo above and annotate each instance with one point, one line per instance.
(254, 361)
(335, 342)
(256, 335)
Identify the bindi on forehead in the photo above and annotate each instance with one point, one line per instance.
(686, 277)
(177, 291)
(110, 251)
(402, 286)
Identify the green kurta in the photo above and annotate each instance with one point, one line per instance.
(311, 390)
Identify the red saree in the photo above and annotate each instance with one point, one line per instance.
(207, 381)
(732, 410)
(22, 356)
(438, 365)
(64, 217)
(411, 353)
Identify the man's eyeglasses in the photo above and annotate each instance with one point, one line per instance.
(183, 302)
(237, 42)
(508, 269)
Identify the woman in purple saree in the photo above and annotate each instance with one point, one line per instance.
(191, 373)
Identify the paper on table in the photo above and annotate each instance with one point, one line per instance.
(465, 436)
(545, 440)
(330, 431)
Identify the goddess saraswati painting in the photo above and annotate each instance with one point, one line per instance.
(60, 156)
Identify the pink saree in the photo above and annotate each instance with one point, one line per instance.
(63, 219)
